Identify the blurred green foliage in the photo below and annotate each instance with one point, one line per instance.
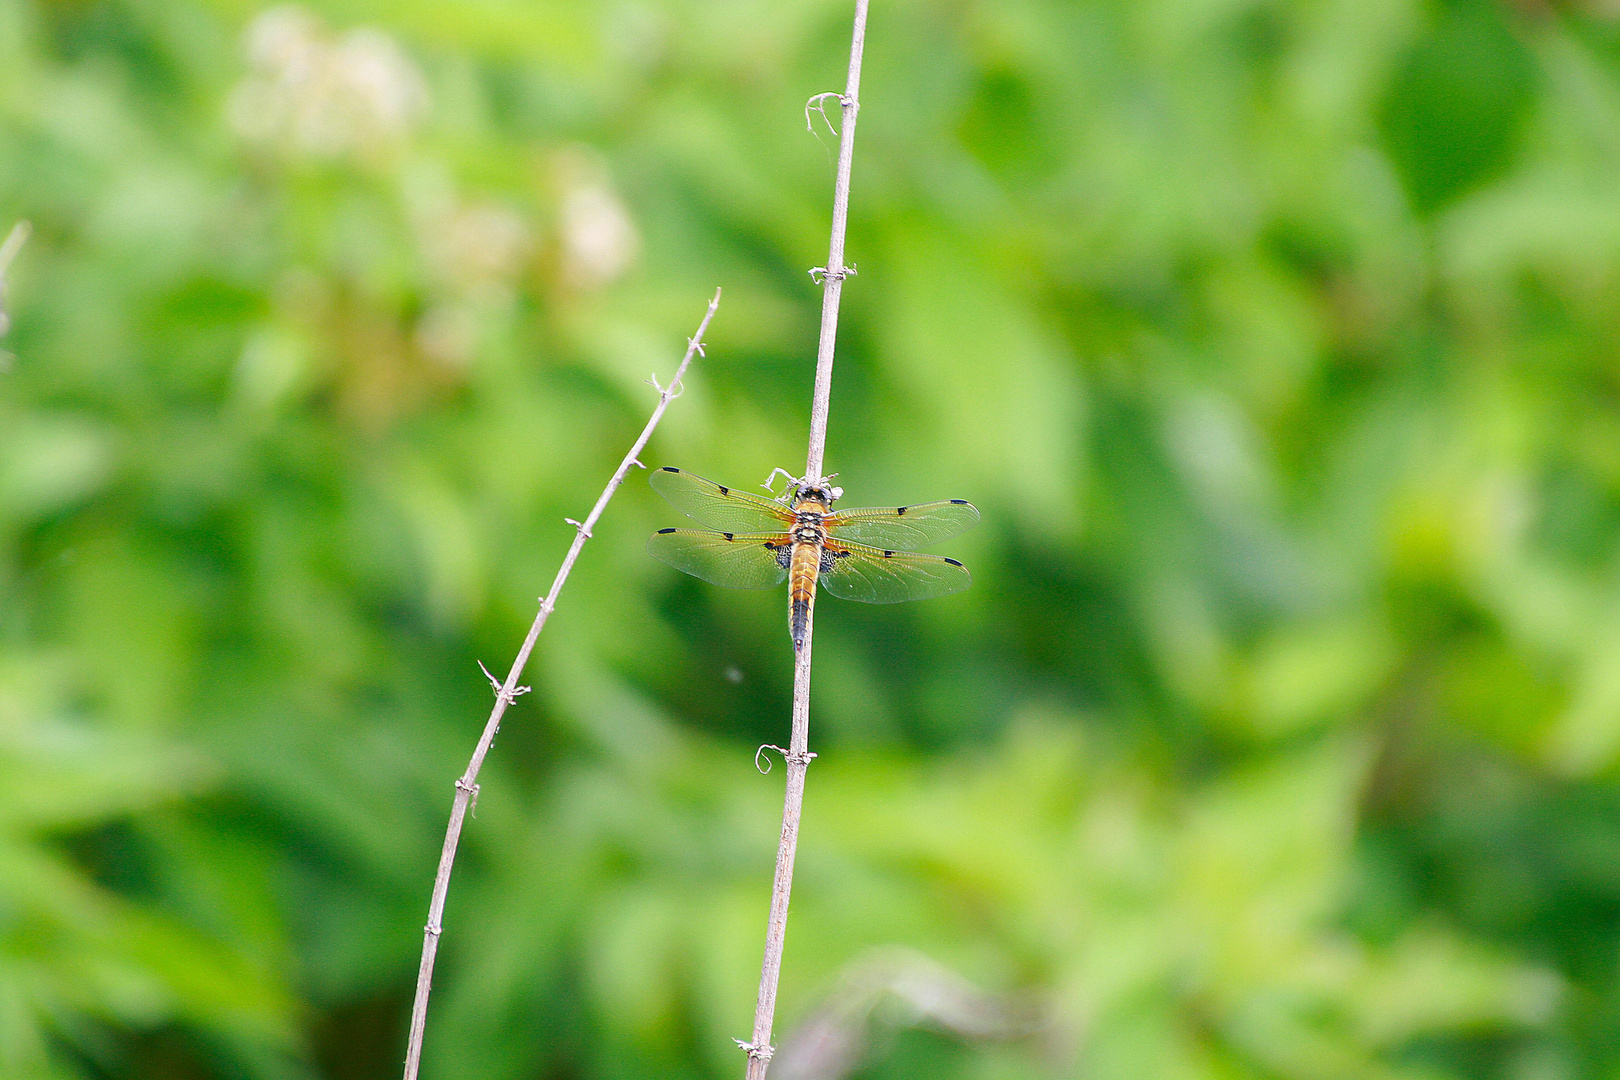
(1276, 341)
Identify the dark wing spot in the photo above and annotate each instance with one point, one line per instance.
(669, 468)
(728, 536)
(953, 562)
(960, 502)
(663, 531)
(888, 554)
(723, 489)
(902, 511)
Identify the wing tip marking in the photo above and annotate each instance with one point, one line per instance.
(960, 502)
(661, 532)
(668, 468)
(953, 562)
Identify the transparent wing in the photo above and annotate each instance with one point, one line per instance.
(903, 526)
(884, 576)
(717, 506)
(730, 560)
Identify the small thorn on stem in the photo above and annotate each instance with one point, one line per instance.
(787, 755)
(760, 1053)
(675, 389)
(820, 274)
(500, 688)
(471, 789)
(583, 531)
(818, 103)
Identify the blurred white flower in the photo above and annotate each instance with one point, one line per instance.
(447, 334)
(597, 239)
(314, 95)
(474, 254)
(480, 245)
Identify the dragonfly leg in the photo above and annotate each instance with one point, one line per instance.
(770, 481)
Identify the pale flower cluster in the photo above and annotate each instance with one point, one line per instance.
(599, 239)
(481, 245)
(596, 237)
(477, 252)
(312, 94)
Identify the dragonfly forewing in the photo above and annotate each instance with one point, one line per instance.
(903, 527)
(716, 506)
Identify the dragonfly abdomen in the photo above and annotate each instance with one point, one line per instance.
(802, 589)
(809, 534)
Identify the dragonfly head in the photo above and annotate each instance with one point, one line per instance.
(820, 490)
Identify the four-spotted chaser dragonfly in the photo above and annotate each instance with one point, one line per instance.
(855, 554)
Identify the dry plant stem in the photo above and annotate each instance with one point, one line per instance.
(467, 785)
(832, 287)
(13, 244)
(798, 755)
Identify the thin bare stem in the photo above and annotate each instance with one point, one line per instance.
(8, 251)
(798, 755)
(833, 274)
(13, 244)
(467, 785)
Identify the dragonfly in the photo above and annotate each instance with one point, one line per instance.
(857, 554)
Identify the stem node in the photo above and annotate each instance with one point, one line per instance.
(761, 1054)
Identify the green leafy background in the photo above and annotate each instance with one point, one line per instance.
(1277, 342)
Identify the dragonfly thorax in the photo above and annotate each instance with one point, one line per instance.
(808, 521)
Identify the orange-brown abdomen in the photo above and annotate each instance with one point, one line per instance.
(802, 589)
